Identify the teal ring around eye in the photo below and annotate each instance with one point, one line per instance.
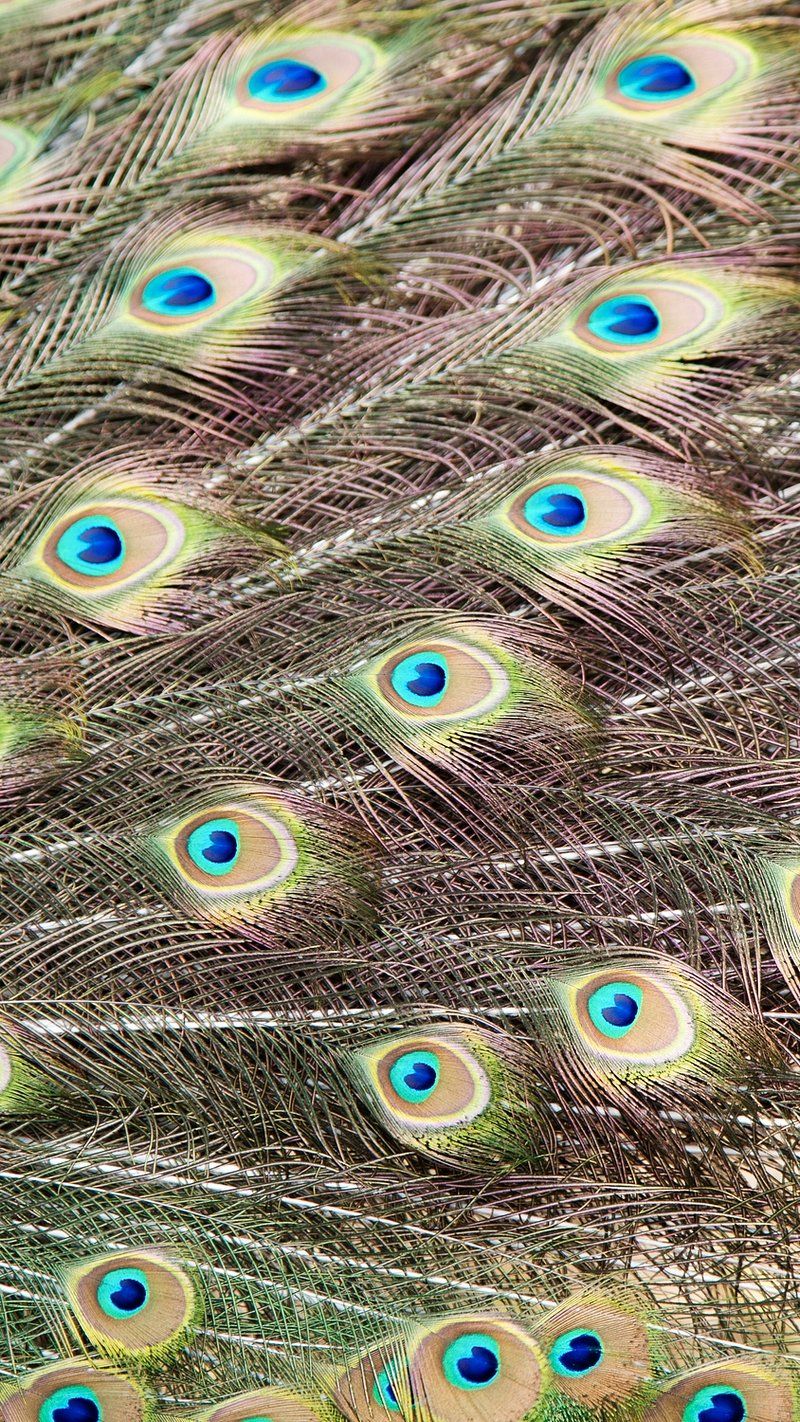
(656, 79)
(62, 1405)
(285, 81)
(577, 1353)
(702, 1405)
(94, 546)
(557, 509)
(383, 1391)
(626, 320)
(423, 1065)
(614, 1008)
(113, 1283)
(215, 846)
(179, 291)
(421, 679)
(472, 1361)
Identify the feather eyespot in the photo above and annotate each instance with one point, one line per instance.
(233, 849)
(655, 78)
(690, 70)
(123, 556)
(460, 1093)
(72, 1404)
(441, 680)
(133, 1304)
(306, 79)
(415, 1075)
(599, 1347)
(716, 1404)
(727, 1391)
(199, 285)
(658, 314)
(74, 1392)
(105, 546)
(425, 1084)
(470, 1367)
(122, 1293)
(581, 507)
(626, 320)
(178, 291)
(384, 1391)
(373, 1387)
(638, 1018)
(282, 81)
(472, 1360)
(575, 1353)
(614, 1008)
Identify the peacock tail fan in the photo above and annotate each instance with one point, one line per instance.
(399, 875)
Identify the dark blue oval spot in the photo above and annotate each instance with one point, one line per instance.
(428, 680)
(563, 511)
(99, 544)
(656, 76)
(180, 290)
(421, 1077)
(723, 1406)
(583, 1352)
(479, 1366)
(129, 1295)
(77, 1408)
(633, 318)
(285, 79)
(622, 1011)
(222, 847)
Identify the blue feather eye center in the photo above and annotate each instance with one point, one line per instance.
(178, 291)
(383, 1392)
(92, 545)
(614, 1008)
(716, 1404)
(625, 320)
(415, 1075)
(576, 1353)
(72, 1404)
(215, 846)
(421, 679)
(122, 1293)
(472, 1361)
(282, 80)
(654, 78)
(556, 508)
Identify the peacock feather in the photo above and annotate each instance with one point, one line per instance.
(400, 895)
